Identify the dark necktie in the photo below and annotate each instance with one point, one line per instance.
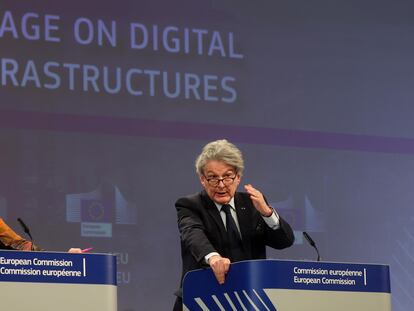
(235, 243)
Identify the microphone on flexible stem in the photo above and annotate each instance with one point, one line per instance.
(26, 230)
(312, 243)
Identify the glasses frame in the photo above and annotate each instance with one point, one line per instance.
(216, 180)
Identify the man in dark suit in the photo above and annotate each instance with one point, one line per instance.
(220, 225)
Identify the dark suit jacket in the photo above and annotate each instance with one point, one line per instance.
(202, 230)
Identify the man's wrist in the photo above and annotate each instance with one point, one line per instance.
(269, 213)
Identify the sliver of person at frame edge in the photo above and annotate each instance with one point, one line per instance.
(10, 240)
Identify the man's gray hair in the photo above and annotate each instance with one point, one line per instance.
(220, 150)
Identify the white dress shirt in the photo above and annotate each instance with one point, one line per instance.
(272, 221)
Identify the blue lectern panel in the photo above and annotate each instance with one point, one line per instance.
(57, 281)
(49, 267)
(54, 267)
(296, 285)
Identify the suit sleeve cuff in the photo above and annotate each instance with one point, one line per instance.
(208, 256)
(273, 220)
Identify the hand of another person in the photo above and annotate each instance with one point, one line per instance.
(220, 266)
(258, 201)
(75, 250)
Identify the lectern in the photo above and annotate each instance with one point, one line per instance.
(290, 286)
(43, 281)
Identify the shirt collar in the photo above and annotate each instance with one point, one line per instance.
(231, 203)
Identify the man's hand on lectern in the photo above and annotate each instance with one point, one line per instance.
(220, 266)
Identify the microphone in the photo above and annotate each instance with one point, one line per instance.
(25, 229)
(312, 243)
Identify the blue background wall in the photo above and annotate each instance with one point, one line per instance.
(317, 94)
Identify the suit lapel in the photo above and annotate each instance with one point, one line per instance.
(244, 219)
(214, 213)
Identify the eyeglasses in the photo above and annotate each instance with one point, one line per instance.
(215, 181)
